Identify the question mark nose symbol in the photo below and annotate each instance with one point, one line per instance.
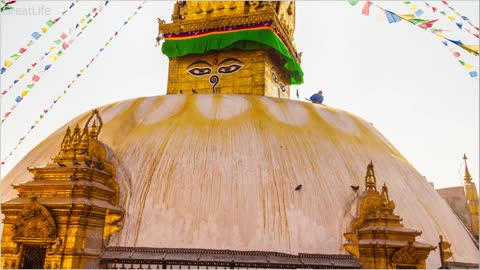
(214, 79)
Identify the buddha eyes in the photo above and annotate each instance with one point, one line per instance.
(229, 69)
(200, 71)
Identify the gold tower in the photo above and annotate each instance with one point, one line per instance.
(60, 219)
(378, 238)
(472, 198)
(232, 47)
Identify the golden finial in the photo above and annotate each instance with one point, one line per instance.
(370, 180)
(467, 177)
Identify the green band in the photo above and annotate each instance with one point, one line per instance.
(244, 40)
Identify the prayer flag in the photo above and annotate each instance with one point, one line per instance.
(8, 63)
(473, 74)
(352, 2)
(470, 48)
(3, 70)
(63, 36)
(44, 30)
(451, 18)
(65, 45)
(21, 76)
(35, 78)
(434, 9)
(417, 21)
(15, 57)
(407, 17)
(56, 20)
(464, 18)
(24, 93)
(53, 58)
(427, 24)
(30, 43)
(22, 50)
(36, 35)
(456, 54)
(419, 13)
(468, 66)
(392, 17)
(15, 81)
(366, 8)
(412, 8)
(47, 67)
(18, 99)
(50, 23)
(30, 85)
(459, 25)
(71, 5)
(461, 62)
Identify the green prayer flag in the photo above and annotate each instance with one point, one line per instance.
(50, 23)
(5, 8)
(89, 21)
(407, 2)
(353, 2)
(58, 41)
(417, 21)
(461, 62)
(60, 53)
(15, 57)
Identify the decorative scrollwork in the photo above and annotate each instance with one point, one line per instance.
(35, 221)
(406, 255)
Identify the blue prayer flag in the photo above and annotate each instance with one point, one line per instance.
(48, 66)
(3, 70)
(18, 99)
(36, 35)
(464, 18)
(392, 17)
(15, 82)
(473, 74)
(459, 25)
(419, 13)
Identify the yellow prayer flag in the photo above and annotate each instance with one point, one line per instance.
(451, 18)
(44, 30)
(82, 70)
(407, 17)
(468, 66)
(8, 63)
(36, 122)
(21, 76)
(51, 48)
(53, 58)
(24, 93)
(83, 28)
(82, 20)
(471, 48)
(413, 8)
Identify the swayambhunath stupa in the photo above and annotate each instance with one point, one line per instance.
(225, 171)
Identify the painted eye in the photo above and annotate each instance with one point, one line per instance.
(229, 69)
(275, 79)
(282, 87)
(200, 71)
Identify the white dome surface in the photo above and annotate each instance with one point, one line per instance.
(219, 171)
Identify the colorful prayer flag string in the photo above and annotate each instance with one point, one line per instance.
(69, 85)
(6, 6)
(460, 15)
(53, 57)
(34, 37)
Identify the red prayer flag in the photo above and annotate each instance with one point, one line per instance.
(57, 19)
(65, 45)
(35, 78)
(366, 8)
(445, 2)
(434, 9)
(477, 35)
(22, 50)
(427, 24)
(63, 36)
(456, 54)
(11, 2)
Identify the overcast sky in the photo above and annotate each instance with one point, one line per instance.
(396, 76)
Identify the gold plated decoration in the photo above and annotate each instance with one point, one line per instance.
(472, 198)
(377, 237)
(61, 218)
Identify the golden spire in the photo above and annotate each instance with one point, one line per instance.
(370, 180)
(467, 177)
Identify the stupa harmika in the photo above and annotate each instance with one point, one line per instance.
(209, 179)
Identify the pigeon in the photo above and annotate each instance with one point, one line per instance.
(298, 187)
(193, 90)
(181, 92)
(73, 177)
(99, 166)
(355, 188)
(61, 164)
(88, 162)
(75, 162)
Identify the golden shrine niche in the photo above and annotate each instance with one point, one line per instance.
(377, 237)
(61, 218)
(231, 47)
